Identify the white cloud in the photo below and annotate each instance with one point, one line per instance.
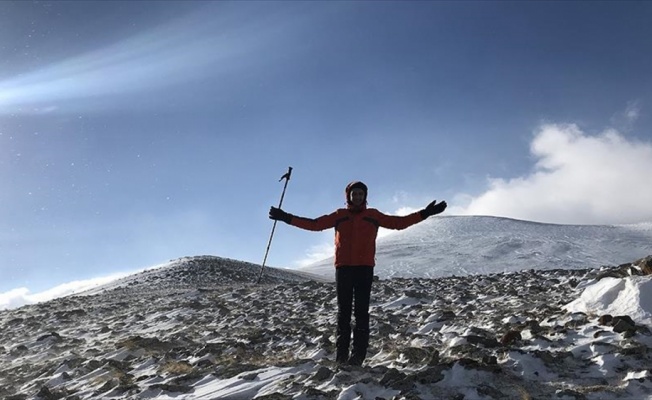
(402, 211)
(317, 253)
(21, 296)
(625, 120)
(633, 111)
(577, 179)
(400, 197)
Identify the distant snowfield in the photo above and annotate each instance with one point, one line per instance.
(467, 245)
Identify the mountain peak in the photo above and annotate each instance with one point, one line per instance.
(200, 272)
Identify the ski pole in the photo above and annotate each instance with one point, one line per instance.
(280, 203)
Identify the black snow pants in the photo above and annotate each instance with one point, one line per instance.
(353, 293)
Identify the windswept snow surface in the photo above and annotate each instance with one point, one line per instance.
(462, 245)
(199, 329)
(460, 324)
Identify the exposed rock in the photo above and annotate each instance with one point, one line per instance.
(52, 335)
(570, 393)
(322, 374)
(479, 340)
(641, 266)
(172, 388)
(644, 265)
(46, 394)
(415, 354)
(430, 375)
(447, 316)
(396, 380)
(510, 337)
(623, 323)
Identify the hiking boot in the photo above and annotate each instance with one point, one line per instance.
(356, 361)
(342, 357)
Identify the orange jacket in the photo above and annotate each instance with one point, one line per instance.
(355, 232)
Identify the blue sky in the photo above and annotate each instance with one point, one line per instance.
(132, 133)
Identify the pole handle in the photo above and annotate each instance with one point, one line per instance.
(287, 175)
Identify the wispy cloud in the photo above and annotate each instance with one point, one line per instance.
(633, 111)
(578, 178)
(625, 119)
(190, 48)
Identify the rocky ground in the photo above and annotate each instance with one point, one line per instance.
(201, 329)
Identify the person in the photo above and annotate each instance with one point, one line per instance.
(356, 228)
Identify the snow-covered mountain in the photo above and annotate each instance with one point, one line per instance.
(462, 245)
(200, 328)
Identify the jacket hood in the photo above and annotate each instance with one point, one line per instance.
(356, 185)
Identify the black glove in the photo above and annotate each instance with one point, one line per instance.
(433, 209)
(279, 215)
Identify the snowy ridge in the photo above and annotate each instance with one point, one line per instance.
(201, 272)
(461, 245)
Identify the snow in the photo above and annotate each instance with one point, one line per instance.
(467, 245)
(197, 328)
(629, 296)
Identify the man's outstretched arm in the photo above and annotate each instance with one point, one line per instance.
(318, 224)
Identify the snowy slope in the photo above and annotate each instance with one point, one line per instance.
(462, 245)
(199, 329)
(202, 272)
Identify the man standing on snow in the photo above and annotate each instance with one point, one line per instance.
(356, 228)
